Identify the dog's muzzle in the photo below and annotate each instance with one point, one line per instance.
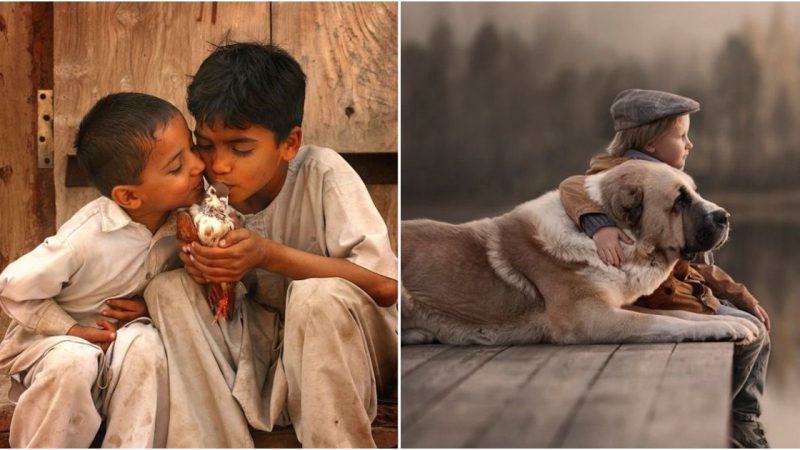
(711, 231)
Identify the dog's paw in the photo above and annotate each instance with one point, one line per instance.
(416, 336)
(749, 324)
(742, 331)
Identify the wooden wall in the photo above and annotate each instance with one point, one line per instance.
(27, 208)
(26, 192)
(103, 47)
(348, 51)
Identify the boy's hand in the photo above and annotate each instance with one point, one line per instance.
(608, 249)
(188, 262)
(126, 309)
(102, 337)
(762, 315)
(239, 252)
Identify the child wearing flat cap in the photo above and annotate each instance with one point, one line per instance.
(654, 126)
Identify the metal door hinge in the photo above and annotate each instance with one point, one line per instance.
(44, 136)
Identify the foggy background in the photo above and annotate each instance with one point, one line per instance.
(501, 102)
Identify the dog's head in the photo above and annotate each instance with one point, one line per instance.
(662, 207)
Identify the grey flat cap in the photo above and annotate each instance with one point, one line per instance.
(635, 107)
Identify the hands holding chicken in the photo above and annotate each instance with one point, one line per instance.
(205, 226)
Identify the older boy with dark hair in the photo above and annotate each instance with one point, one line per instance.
(80, 347)
(315, 341)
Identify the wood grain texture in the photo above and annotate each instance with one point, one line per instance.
(349, 54)
(533, 417)
(696, 384)
(619, 400)
(463, 415)
(385, 198)
(425, 386)
(26, 192)
(414, 356)
(645, 395)
(146, 47)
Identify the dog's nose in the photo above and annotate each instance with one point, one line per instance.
(720, 217)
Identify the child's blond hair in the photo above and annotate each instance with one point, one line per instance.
(638, 137)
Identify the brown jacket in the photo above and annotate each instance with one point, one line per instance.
(690, 287)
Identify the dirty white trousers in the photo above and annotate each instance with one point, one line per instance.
(74, 385)
(321, 368)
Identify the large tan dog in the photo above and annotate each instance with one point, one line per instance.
(532, 276)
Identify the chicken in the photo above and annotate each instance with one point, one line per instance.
(208, 223)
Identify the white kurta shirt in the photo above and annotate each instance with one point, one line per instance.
(98, 254)
(323, 208)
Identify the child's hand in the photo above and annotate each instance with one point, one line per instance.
(239, 252)
(102, 337)
(608, 249)
(762, 315)
(126, 309)
(188, 262)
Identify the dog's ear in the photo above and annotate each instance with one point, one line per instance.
(626, 204)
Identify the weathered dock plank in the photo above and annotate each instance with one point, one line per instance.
(692, 408)
(664, 395)
(416, 355)
(535, 414)
(473, 403)
(624, 389)
(435, 378)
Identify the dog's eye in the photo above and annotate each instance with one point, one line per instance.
(682, 201)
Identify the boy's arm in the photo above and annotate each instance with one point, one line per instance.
(583, 211)
(723, 286)
(244, 250)
(356, 241)
(29, 284)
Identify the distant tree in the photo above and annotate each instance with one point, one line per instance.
(736, 92)
(427, 115)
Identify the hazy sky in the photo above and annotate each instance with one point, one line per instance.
(630, 29)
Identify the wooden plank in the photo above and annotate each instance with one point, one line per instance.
(618, 400)
(535, 414)
(150, 47)
(27, 200)
(427, 385)
(413, 356)
(455, 420)
(349, 53)
(697, 385)
(385, 198)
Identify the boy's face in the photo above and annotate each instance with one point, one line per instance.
(673, 147)
(173, 175)
(249, 161)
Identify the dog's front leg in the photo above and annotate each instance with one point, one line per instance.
(687, 315)
(597, 323)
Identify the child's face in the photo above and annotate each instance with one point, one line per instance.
(673, 147)
(249, 161)
(173, 175)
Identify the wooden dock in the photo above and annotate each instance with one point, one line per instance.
(647, 395)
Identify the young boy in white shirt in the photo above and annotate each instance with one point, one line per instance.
(80, 347)
(314, 342)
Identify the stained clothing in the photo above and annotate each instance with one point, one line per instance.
(316, 352)
(690, 287)
(67, 392)
(98, 254)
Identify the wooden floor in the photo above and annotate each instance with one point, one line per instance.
(653, 395)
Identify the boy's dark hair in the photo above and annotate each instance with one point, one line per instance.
(243, 84)
(116, 136)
